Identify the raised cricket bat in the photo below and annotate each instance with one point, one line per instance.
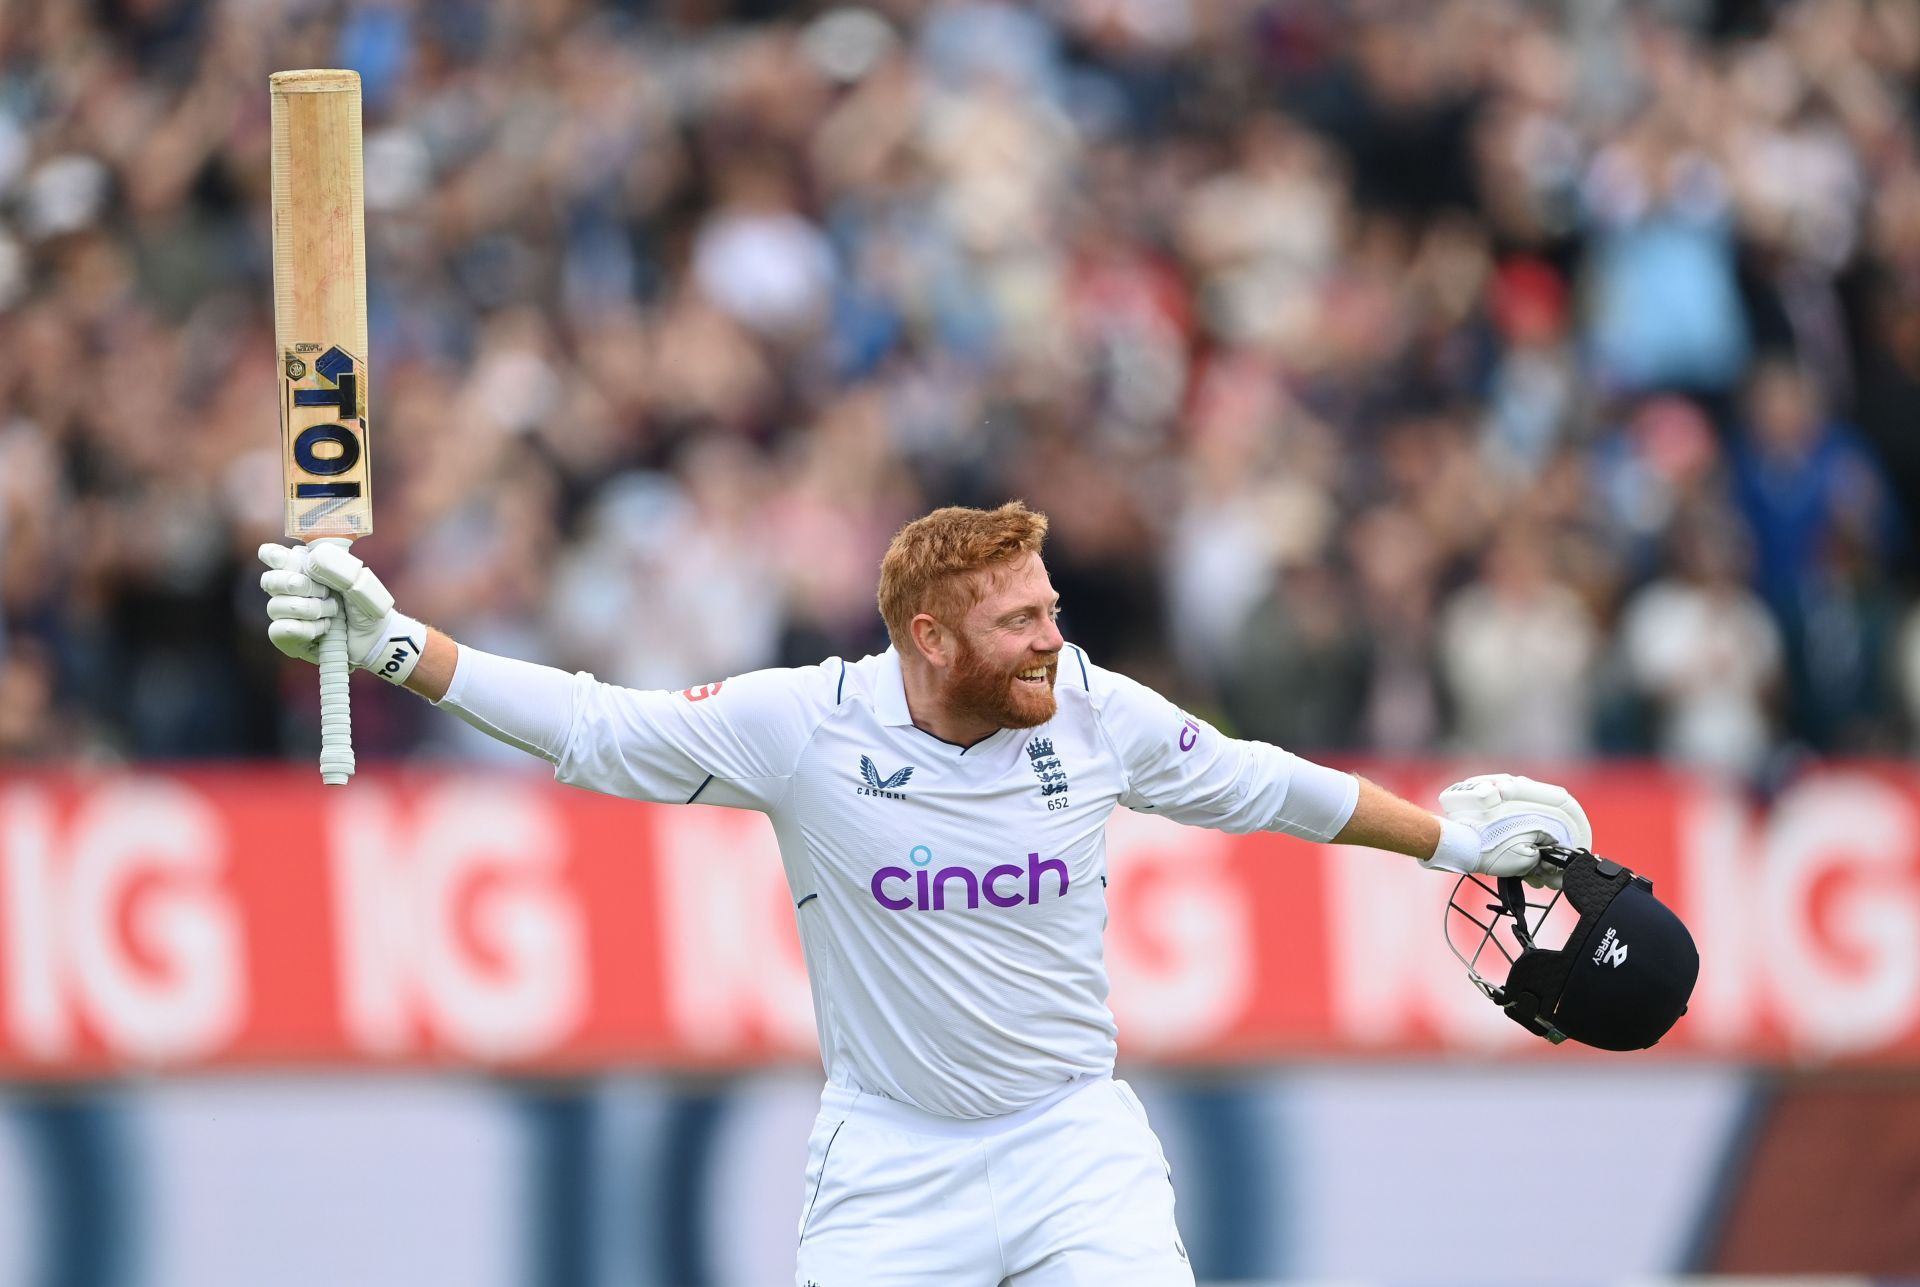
(320, 334)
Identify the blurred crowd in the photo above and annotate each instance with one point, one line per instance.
(1469, 377)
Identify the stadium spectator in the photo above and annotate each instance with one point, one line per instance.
(701, 301)
(1701, 648)
(1517, 649)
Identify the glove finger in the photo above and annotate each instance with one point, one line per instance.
(293, 581)
(283, 556)
(1546, 876)
(295, 607)
(1470, 800)
(333, 566)
(1482, 791)
(298, 639)
(1582, 829)
(1560, 800)
(367, 598)
(1517, 857)
(1519, 788)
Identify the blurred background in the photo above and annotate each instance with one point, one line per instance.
(1424, 387)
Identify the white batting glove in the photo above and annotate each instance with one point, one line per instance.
(1496, 824)
(309, 583)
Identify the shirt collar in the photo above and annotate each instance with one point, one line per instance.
(890, 694)
(890, 704)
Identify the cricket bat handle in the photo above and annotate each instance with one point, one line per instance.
(336, 705)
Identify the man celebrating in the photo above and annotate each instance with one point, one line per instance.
(940, 810)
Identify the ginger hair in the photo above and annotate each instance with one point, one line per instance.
(929, 566)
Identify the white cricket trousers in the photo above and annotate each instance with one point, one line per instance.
(1074, 1190)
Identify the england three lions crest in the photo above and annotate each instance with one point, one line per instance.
(1046, 767)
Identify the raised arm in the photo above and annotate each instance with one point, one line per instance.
(730, 743)
(522, 704)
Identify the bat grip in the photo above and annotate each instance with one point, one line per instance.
(336, 708)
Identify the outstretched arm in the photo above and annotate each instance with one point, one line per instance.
(520, 703)
(731, 743)
(1493, 824)
(1382, 820)
(1187, 770)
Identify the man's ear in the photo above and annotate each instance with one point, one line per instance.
(933, 640)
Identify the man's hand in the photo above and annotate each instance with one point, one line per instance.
(302, 582)
(1512, 817)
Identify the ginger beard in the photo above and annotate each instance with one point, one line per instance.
(980, 690)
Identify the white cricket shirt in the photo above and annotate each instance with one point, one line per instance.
(951, 900)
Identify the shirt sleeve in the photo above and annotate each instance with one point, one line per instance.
(1183, 767)
(733, 743)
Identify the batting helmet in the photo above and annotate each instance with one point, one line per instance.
(1624, 974)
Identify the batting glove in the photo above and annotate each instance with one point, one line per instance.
(1497, 823)
(308, 584)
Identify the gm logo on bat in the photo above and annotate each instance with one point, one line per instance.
(326, 427)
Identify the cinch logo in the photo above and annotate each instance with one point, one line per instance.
(900, 890)
(1189, 732)
(877, 785)
(1611, 950)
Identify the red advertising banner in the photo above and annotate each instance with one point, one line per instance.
(210, 918)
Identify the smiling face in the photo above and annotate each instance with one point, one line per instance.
(1007, 649)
